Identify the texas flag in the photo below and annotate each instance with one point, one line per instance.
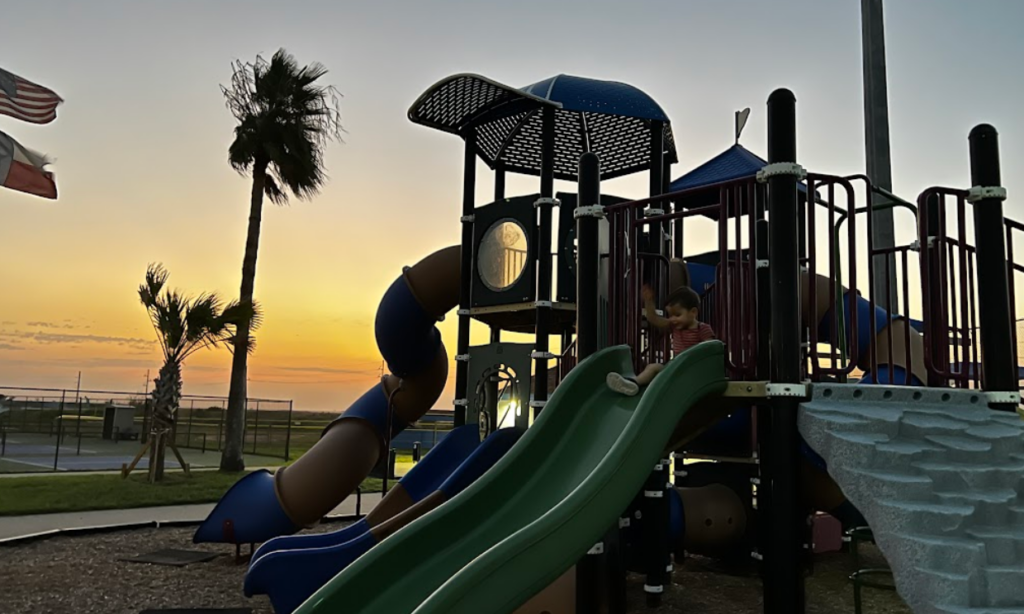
(24, 170)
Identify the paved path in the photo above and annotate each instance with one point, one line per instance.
(19, 526)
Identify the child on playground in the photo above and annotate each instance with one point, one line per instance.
(682, 308)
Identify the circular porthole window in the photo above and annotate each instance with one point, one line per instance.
(503, 254)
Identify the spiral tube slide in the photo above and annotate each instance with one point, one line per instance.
(290, 576)
(262, 505)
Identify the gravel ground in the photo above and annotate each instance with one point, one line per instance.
(82, 575)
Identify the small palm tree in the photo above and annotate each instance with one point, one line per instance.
(183, 325)
(285, 120)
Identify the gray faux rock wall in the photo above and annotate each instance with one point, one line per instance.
(939, 477)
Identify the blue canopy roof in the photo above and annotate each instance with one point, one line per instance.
(733, 163)
(608, 118)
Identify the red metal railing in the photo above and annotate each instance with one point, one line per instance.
(733, 315)
(949, 288)
(950, 350)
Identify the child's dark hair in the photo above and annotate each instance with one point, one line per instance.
(685, 297)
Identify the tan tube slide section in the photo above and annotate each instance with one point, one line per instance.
(349, 449)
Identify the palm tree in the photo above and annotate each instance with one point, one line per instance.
(285, 120)
(183, 326)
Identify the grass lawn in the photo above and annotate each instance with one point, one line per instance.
(70, 493)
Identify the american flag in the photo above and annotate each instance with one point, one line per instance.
(27, 101)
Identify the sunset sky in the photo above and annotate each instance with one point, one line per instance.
(140, 150)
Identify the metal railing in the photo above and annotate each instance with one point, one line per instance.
(733, 314)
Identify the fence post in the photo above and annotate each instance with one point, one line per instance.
(416, 452)
(256, 427)
(220, 426)
(60, 429)
(288, 434)
(784, 561)
(998, 361)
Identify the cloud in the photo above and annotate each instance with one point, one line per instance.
(9, 346)
(50, 325)
(332, 370)
(47, 338)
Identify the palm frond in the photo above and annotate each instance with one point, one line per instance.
(285, 120)
(149, 290)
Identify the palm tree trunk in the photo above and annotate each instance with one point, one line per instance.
(231, 458)
(166, 396)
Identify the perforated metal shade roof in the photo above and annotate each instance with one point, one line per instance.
(608, 118)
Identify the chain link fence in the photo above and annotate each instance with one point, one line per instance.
(51, 429)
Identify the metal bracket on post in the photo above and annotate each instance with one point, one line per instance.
(546, 200)
(462, 358)
(761, 263)
(781, 169)
(591, 211)
(652, 212)
(537, 404)
(543, 356)
(467, 219)
(979, 193)
(1003, 398)
(461, 403)
(597, 548)
(786, 390)
(463, 312)
(547, 304)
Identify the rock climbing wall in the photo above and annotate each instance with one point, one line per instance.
(939, 477)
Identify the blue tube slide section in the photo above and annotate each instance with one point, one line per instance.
(424, 478)
(290, 576)
(251, 511)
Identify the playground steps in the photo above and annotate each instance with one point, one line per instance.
(940, 478)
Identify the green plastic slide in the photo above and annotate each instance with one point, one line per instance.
(538, 510)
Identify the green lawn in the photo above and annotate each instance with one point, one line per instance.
(69, 493)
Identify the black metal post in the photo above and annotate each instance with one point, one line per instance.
(468, 205)
(588, 569)
(417, 451)
(938, 345)
(784, 561)
(543, 326)
(499, 181)
(657, 186)
(587, 257)
(998, 360)
(656, 547)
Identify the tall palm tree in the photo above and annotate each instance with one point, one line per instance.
(183, 326)
(285, 120)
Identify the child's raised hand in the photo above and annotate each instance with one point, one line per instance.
(647, 293)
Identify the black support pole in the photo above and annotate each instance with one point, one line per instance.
(784, 560)
(499, 181)
(657, 186)
(468, 205)
(938, 347)
(544, 230)
(998, 360)
(657, 550)
(588, 569)
(588, 257)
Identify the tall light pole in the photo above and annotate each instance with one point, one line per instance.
(876, 141)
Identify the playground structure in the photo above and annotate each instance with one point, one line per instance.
(560, 499)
